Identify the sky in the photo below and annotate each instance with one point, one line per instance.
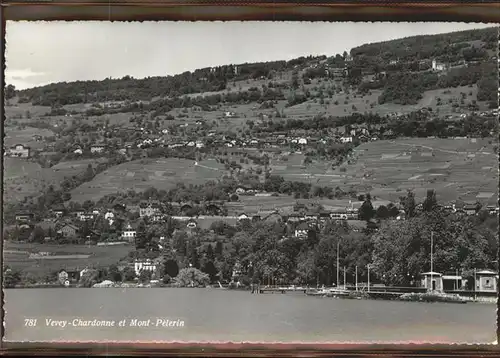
(39, 53)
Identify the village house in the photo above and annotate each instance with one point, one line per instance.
(301, 230)
(146, 265)
(85, 216)
(129, 234)
(439, 66)
(243, 216)
(68, 230)
(338, 215)
(97, 148)
(241, 190)
(470, 208)
(149, 209)
(109, 215)
(24, 217)
(191, 224)
(492, 209)
(19, 151)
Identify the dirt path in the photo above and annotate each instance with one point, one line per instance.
(439, 149)
(204, 166)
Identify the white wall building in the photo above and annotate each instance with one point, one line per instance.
(147, 265)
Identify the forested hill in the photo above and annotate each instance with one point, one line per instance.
(445, 47)
(399, 57)
(128, 88)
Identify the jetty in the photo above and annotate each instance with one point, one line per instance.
(283, 290)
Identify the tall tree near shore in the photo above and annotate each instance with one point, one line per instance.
(430, 202)
(409, 204)
(366, 211)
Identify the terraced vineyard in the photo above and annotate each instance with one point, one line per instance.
(144, 173)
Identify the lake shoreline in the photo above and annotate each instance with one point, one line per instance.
(480, 300)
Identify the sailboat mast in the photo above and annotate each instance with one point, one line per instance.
(338, 246)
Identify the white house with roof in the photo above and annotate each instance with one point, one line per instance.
(19, 151)
(438, 66)
(109, 215)
(129, 233)
(147, 265)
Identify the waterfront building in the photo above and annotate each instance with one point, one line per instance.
(486, 281)
(432, 281)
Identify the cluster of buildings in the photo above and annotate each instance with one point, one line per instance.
(484, 282)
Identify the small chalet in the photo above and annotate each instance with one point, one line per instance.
(191, 224)
(109, 215)
(492, 209)
(68, 230)
(470, 208)
(295, 217)
(243, 216)
(129, 233)
(85, 216)
(241, 190)
(338, 215)
(19, 151)
(302, 230)
(59, 212)
(148, 209)
(97, 148)
(24, 217)
(311, 216)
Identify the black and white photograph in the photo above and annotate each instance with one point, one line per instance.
(250, 182)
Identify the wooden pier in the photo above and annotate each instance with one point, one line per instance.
(281, 290)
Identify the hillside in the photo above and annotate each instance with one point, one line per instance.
(141, 174)
(376, 85)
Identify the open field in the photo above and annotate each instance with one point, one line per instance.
(363, 103)
(285, 203)
(24, 136)
(20, 109)
(17, 256)
(24, 178)
(75, 167)
(456, 168)
(144, 173)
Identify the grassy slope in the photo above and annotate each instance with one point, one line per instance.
(23, 178)
(143, 173)
(16, 255)
(458, 166)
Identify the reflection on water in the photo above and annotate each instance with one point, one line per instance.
(209, 315)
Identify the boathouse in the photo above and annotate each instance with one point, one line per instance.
(432, 281)
(486, 281)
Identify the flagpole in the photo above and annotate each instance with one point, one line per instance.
(432, 254)
(356, 278)
(338, 247)
(344, 277)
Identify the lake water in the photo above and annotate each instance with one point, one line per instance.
(210, 315)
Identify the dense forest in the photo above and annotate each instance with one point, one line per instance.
(449, 47)
(129, 88)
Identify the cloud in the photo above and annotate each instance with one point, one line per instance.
(25, 78)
